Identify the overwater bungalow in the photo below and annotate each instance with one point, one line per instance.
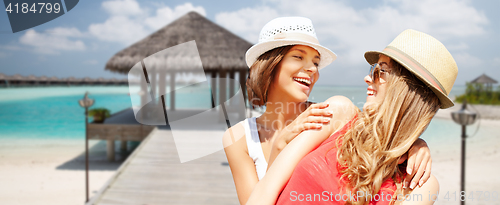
(43, 80)
(16, 80)
(3, 80)
(55, 81)
(32, 80)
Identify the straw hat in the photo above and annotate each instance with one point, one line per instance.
(289, 31)
(424, 56)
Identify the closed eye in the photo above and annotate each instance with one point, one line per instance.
(299, 57)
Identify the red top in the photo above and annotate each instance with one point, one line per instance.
(316, 179)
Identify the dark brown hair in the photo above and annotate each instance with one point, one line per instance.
(262, 74)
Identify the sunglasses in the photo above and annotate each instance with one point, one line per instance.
(376, 69)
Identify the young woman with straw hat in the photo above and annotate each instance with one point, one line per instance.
(283, 70)
(358, 164)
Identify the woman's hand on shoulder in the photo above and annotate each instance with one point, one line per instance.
(317, 116)
(313, 118)
(419, 164)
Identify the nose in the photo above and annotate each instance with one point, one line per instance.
(368, 79)
(311, 68)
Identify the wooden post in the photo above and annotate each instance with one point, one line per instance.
(162, 82)
(144, 99)
(123, 146)
(243, 82)
(213, 81)
(231, 84)
(153, 84)
(172, 91)
(162, 86)
(110, 144)
(222, 86)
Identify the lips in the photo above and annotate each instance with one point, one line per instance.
(371, 92)
(303, 81)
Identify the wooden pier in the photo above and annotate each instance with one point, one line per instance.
(122, 127)
(153, 174)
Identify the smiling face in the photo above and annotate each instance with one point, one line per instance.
(296, 74)
(376, 87)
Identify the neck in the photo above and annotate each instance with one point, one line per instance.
(280, 113)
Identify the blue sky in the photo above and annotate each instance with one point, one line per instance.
(80, 42)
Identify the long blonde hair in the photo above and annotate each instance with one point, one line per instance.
(369, 151)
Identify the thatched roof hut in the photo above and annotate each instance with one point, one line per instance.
(484, 79)
(222, 53)
(17, 77)
(218, 47)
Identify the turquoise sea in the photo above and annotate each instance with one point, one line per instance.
(54, 113)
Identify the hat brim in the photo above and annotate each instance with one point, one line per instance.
(327, 56)
(372, 57)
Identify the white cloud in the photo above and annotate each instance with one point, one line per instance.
(165, 15)
(122, 7)
(120, 29)
(466, 60)
(247, 22)
(128, 22)
(53, 40)
(351, 31)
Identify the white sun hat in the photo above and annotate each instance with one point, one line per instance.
(285, 31)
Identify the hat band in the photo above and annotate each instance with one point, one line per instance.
(296, 36)
(416, 66)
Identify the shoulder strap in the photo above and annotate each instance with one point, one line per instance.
(254, 146)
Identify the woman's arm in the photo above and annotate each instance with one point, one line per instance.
(313, 118)
(241, 164)
(268, 189)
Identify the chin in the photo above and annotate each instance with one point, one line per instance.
(368, 104)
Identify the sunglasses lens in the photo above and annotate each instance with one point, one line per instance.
(372, 70)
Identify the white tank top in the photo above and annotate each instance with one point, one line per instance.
(254, 147)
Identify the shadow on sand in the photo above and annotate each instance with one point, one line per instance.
(98, 159)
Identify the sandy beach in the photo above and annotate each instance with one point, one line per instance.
(482, 154)
(50, 172)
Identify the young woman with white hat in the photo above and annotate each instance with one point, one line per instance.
(408, 82)
(283, 70)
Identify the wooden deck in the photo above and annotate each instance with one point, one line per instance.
(120, 126)
(153, 174)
